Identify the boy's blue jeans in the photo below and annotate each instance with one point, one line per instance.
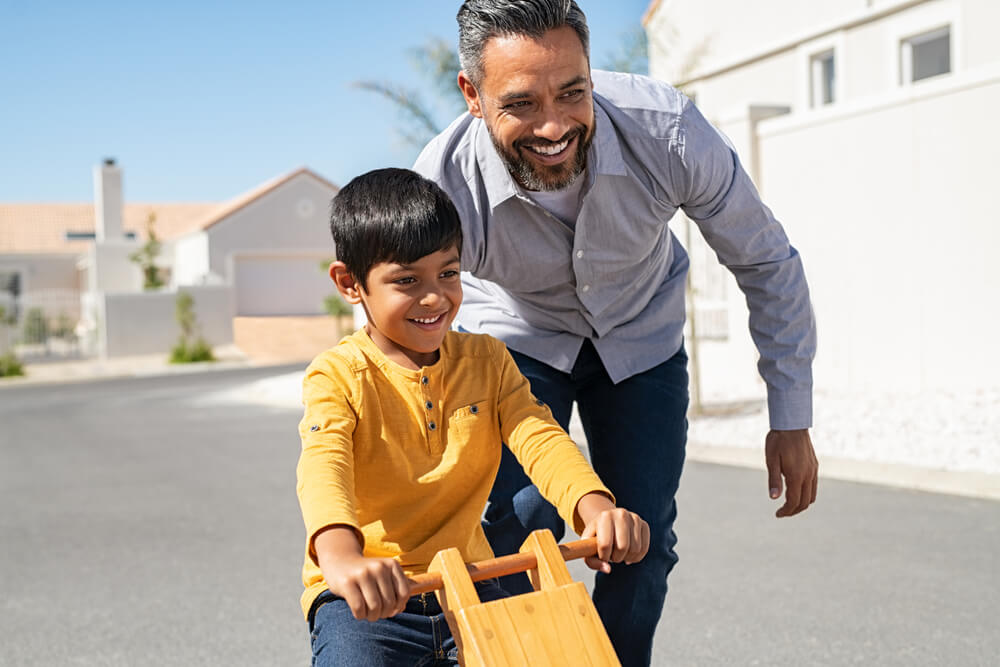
(418, 636)
(636, 432)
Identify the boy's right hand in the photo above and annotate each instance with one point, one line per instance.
(373, 588)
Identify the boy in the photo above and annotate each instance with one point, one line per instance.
(402, 433)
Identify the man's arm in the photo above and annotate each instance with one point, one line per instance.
(719, 197)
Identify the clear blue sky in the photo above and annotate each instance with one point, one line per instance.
(200, 101)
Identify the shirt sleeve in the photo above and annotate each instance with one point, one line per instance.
(549, 456)
(325, 470)
(718, 195)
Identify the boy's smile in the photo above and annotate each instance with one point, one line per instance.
(411, 307)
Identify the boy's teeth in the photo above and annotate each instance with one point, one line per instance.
(426, 320)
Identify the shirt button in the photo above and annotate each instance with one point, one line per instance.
(586, 288)
(424, 380)
(428, 405)
(579, 253)
(432, 426)
(474, 409)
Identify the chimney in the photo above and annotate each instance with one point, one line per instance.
(108, 201)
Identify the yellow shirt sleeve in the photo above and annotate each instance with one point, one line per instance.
(325, 470)
(549, 456)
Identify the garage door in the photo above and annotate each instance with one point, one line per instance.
(280, 285)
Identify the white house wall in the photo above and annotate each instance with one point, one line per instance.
(190, 260)
(292, 223)
(145, 323)
(897, 234)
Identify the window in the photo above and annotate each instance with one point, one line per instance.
(823, 78)
(926, 55)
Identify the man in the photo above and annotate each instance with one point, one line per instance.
(565, 181)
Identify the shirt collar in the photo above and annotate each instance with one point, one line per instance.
(603, 159)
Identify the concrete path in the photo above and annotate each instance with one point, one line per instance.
(146, 521)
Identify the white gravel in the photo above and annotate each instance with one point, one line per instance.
(940, 431)
(943, 430)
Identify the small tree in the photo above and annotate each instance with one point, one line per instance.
(190, 346)
(146, 256)
(9, 364)
(36, 326)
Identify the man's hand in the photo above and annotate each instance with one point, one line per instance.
(622, 536)
(373, 588)
(790, 454)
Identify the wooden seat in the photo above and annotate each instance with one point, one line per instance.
(556, 625)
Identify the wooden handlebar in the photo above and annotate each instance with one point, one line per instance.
(501, 567)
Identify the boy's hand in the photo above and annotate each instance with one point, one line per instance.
(622, 536)
(373, 588)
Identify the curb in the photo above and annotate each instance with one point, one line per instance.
(952, 482)
(98, 372)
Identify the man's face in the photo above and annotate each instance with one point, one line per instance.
(536, 100)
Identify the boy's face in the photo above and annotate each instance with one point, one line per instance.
(411, 307)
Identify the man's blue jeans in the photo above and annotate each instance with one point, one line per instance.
(636, 432)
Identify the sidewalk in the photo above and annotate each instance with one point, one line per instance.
(82, 370)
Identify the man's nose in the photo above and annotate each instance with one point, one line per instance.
(553, 125)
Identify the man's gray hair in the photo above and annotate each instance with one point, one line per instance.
(481, 20)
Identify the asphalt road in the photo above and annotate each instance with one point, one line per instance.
(142, 523)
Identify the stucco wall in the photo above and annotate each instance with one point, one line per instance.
(894, 213)
(144, 322)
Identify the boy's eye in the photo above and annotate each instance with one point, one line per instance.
(450, 273)
(407, 280)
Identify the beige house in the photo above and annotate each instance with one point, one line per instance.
(257, 255)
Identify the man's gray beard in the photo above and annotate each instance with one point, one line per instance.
(541, 179)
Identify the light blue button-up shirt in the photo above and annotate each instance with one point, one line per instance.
(617, 277)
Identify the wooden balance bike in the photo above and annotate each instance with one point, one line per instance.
(556, 625)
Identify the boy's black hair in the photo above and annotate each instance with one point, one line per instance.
(391, 215)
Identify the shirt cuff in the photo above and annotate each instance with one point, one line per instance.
(789, 410)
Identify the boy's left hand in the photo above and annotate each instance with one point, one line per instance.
(622, 536)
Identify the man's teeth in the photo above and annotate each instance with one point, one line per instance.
(551, 149)
(427, 320)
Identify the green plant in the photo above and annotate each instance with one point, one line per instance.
(185, 352)
(36, 326)
(335, 306)
(10, 366)
(146, 256)
(7, 319)
(190, 347)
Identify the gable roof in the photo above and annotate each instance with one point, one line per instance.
(42, 228)
(247, 198)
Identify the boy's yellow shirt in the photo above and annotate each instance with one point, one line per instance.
(408, 457)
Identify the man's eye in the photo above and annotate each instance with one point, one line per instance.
(573, 94)
(520, 105)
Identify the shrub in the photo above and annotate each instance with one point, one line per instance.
(36, 326)
(185, 352)
(188, 349)
(10, 366)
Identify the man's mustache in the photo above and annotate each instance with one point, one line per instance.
(578, 131)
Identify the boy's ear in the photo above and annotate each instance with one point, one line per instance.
(345, 282)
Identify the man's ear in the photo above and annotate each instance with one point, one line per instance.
(345, 282)
(470, 94)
